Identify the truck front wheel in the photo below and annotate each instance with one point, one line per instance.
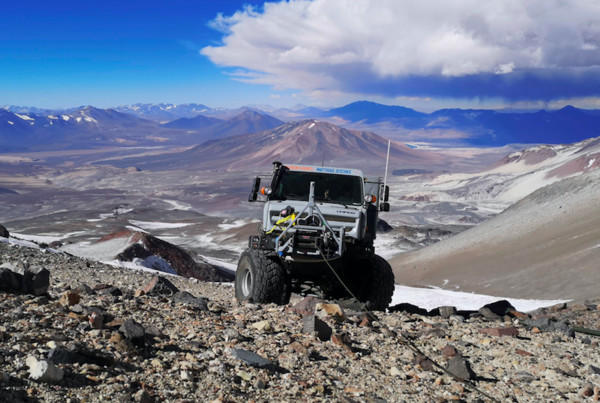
(261, 278)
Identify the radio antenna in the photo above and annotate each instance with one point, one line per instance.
(387, 163)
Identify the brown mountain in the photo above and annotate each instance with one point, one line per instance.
(305, 142)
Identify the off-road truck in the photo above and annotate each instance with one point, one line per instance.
(317, 234)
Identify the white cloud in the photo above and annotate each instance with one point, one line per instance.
(333, 45)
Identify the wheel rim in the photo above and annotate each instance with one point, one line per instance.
(247, 281)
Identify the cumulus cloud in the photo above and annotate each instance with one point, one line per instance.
(515, 49)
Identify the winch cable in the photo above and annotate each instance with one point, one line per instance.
(468, 383)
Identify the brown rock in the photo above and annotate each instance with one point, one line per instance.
(500, 331)
(330, 310)
(450, 351)
(523, 353)
(96, 320)
(69, 298)
(306, 306)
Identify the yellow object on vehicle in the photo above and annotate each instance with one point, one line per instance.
(278, 225)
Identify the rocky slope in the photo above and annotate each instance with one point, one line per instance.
(101, 333)
(547, 244)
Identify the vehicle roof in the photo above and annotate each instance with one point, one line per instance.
(326, 170)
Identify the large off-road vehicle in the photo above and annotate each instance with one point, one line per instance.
(317, 234)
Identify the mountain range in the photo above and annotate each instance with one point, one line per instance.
(148, 123)
(89, 128)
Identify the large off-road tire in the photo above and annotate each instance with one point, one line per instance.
(370, 280)
(262, 278)
(378, 286)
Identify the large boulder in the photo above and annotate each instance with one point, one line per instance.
(3, 232)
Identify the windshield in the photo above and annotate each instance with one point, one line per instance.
(342, 189)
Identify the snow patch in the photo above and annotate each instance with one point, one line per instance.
(24, 117)
(430, 298)
(236, 224)
(152, 225)
(46, 238)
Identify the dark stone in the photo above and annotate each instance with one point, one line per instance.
(383, 227)
(132, 330)
(80, 355)
(311, 324)
(501, 307)
(460, 368)
(8, 280)
(40, 281)
(160, 286)
(408, 308)
(84, 289)
(594, 370)
(4, 232)
(114, 291)
(185, 297)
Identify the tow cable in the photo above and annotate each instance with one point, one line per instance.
(468, 383)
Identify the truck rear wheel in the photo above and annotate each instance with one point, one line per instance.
(370, 280)
(378, 286)
(261, 277)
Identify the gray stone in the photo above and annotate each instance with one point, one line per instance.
(250, 358)
(447, 311)
(459, 367)
(594, 370)
(312, 324)
(185, 297)
(132, 330)
(489, 314)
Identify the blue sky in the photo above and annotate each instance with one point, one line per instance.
(424, 54)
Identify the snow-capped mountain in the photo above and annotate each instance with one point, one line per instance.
(164, 112)
(515, 176)
(90, 127)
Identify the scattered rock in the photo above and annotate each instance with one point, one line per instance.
(306, 306)
(185, 297)
(313, 325)
(160, 286)
(132, 330)
(330, 310)
(69, 298)
(500, 331)
(44, 371)
(500, 308)
(447, 311)
(460, 368)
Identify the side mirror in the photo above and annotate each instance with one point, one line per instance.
(384, 207)
(254, 191)
(386, 194)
